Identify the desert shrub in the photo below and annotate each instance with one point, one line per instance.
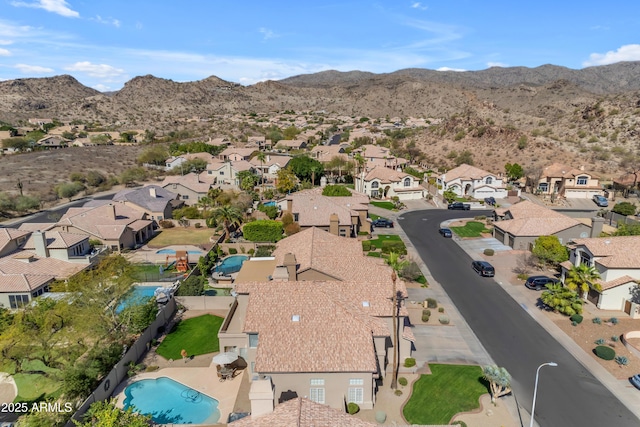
(597, 320)
(410, 271)
(366, 245)
(459, 423)
(600, 341)
(432, 303)
(615, 338)
(233, 251)
(426, 311)
(166, 224)
(291, 229)
(264, 251)
(574, 323)
(425, 318)
(409, 362)
(480, 217)
(613, 320)
(403, 381)
(197, 225)
(605, 353)
(192, 286)
(251, 251)
(576, 318)
(287, 218)
(440, 309)
(444, 320)
(398, 392)
(622, 360)
(489, 252)
(353, 408)
(523, 276)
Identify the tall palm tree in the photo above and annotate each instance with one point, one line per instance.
(261, 158)
(228, 215)
(581, 278)
(396, 265)
(205, 203)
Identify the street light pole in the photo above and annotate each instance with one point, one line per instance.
(535, 389)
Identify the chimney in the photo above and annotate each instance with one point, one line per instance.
(334, 224)
(597, 224)
(113, 210)
(280, 274)
(291, 265)
(267, 158)
(40, 243)
(152, 192)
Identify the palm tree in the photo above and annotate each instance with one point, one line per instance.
(205, 203)
(261, 158)
(396, 265)
(314, 170)
(228, 215)
(582, 278)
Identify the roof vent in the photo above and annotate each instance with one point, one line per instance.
(295, 318)
(315, 207)
(365, 303)
(607, 242)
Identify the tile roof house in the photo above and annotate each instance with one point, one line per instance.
(384, 183)
(271, 165)
(379, 156)
(219, 142)
(467, 180)
(116, 225)
(325, 153)
(30, 261)
(567, 182)
(259, 142)
(53, 141)
(302, 412)
(225, 173)
(291, 144)
(190, 187)
(343, 216)
(522, 223)
(153, 200)
(234, 153)
(617, 260)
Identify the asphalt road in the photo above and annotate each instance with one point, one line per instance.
(568, 395)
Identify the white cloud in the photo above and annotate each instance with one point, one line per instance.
(418, 5)
(107, 21)
(101, 87)
(33, 69)
(496, 64)
(267, 33)
(450, 69)
(5, 52)
(630, 52)
(95, 70)
(61, 7)
(5, 42)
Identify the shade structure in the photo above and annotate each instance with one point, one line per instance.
(225, 358)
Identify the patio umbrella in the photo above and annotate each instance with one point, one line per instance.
(225, 358)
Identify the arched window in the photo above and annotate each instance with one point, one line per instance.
(407, 182)
(489, 180)
(374, 185)
(582, 180)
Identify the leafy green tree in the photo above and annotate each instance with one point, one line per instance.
(548, 249)
(107, 414)
(581, 278)
(188, 212)
(627, 230)
(449, 196)
(133, 175)
(305, 168)
(34, 136)
(514, 171)
(291, 132)
(336, 191)
(263, 231)
(101, 139)
(68, 189)
(16, 143)
(229, 216)
(624, 208)
(499, 381)
(287, 180)
(192, 286)
(26, 203)
(270, 211)
(562, 299)
(137, 317)
(193, 165)
(248, 180)
(155, 156)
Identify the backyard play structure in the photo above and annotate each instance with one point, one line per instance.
(181, 261)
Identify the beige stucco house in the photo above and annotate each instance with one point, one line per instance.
(617, 260)
(384, 183)
(567, 182)
(467, 180)
(190, 188)
(234, 154)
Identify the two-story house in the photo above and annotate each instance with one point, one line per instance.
(153, 200)
(617, 261)
(567, 182)
(467, 180)
(190, 187)
(233, 154)
(384, 183)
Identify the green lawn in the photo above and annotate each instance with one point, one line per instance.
(471, 229)
(181, 236)
(198, 335)
(384, 237)
(384, 205)
(450, 389)
(373, 216)
(35, 386)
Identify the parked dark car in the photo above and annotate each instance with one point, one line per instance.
(491, 201)
(445, 232)
(483, 268)
(635, 380)
(383, 223)
(459, 206)
(539, 282)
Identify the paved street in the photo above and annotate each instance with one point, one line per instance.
(569, 395)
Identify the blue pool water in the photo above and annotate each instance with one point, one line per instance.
(231, 264)
(270, 203)
(173, 252)
(168, 402)
(136, 296)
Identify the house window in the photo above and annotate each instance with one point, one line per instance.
(582, 180)
(407, 182)
(489, 180)
(210, 172)
(253, 340)
(544, 187)
(175, 186)
(253, 367)
(343, 232)
(374, 185)
(585, 258)
(159, 217)
(185, 197)
(221, 172)
(296, 217)
(18, 301)
(316, 392)
(356, 394)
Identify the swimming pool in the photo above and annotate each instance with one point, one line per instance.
(231, 264)
(173, 252)
(138, 295)
(270, 203)
(168, 401)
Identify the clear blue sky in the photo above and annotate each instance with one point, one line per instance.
(104, 43)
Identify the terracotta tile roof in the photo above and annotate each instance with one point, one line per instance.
(23, 282)
(190, 181)
(613, 252)
(466, 172)
(9, 234)
(530, 219)
(324, 153)
(244, 152)
(58, 240)
(387, 175)
(558, 170)
(314, 209)
(241, 165)
(271, 159)
(26, 262)
(291, 143)
(301, 412)
(35, 226)
(375, 151)
(617, 282)
(106, 221)
(295, 336)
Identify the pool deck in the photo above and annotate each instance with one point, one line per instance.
(203, 379)
(148, 255)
